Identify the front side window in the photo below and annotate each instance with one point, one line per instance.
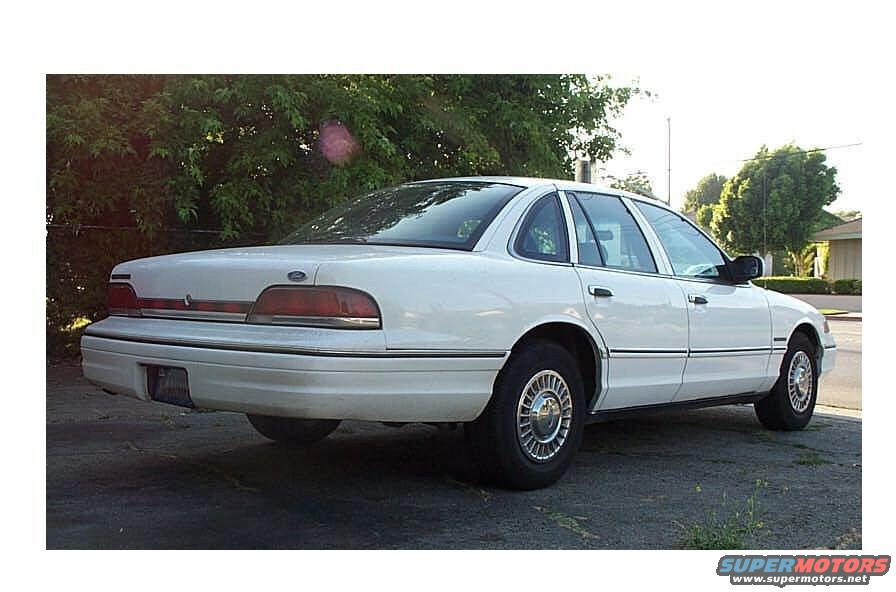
(608, 234)
(690, 252)
(543, 235)
(447, 214)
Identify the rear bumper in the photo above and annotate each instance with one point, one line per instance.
(375, 385)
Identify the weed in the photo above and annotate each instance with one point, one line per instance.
(811, 459)
(568, 522)
(729, 527)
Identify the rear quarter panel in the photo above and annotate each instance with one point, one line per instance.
(462, 301)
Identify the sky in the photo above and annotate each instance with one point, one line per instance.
(729, 91)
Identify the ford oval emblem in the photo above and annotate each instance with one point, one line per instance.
(296, 276)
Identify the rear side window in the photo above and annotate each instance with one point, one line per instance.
(608, 234)
(543, 235)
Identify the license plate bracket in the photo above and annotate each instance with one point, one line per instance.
(169, 384)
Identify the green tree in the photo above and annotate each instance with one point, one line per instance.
(636, 182)
(251, 157)
(704, 216)
(775, 202)
(707, 192)
(243, 153)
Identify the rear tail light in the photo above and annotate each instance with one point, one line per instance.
(322, 306)
(121, 300)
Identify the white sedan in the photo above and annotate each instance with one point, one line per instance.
(522, 308)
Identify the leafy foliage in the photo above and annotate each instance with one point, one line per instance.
(775, 201)
(636, 182)
(795, 285)
(704, 216)
(707, 193)
(732, 526)
(254, 156)
(847, 287)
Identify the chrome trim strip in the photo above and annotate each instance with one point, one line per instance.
(193, 315)
(729, 350)
(327, 322)
(279, 349)
(691, 353)
(725, 354)
(648, 353)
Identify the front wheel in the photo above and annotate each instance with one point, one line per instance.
(790, 403)
(289, 430)
(529, 432)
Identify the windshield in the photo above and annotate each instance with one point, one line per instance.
(448, 214)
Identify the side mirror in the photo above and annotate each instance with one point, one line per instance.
(746, 268)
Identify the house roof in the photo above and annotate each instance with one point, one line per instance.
(851, 229)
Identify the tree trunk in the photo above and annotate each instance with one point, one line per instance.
(799, 264)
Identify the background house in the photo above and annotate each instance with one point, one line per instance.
(845, 250)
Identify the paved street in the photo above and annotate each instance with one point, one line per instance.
(126, 474)
(842, 387)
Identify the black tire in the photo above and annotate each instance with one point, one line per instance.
(493, 439)
(777, 411)
(289, 430)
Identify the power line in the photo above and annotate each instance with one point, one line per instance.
(802, 152)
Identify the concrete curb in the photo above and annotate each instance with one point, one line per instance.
(841, 412)
(846, 317)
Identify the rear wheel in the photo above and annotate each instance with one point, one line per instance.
(289, 430)
(529, 432)
(790, 403)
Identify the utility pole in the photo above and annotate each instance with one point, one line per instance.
(583, 170)
(668, 161)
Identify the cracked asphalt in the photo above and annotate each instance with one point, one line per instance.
(126, 474)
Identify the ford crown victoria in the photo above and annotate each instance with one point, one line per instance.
(520, 308)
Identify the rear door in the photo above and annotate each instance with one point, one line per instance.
(730, 325)
(640, 314)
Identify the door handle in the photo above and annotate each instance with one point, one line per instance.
(697, 299)
(599, 292)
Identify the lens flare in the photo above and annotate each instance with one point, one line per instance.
(336, 143)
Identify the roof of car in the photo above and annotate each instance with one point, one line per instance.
(565, 184)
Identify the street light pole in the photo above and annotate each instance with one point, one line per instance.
(668, 161)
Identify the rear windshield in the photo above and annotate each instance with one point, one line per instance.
(450, 214)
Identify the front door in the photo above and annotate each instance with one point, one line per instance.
(641, 315)
(730, 325)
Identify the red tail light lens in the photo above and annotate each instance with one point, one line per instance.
(323, 306)
(121, 300)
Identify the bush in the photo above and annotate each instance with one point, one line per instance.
(78, 268)
(847, 287)
(795, 285)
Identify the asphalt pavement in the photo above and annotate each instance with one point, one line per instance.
(125, 474)
(842, 387)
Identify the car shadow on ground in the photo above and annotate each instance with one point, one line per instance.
(126, 474)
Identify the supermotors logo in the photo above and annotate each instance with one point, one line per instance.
(782, 570)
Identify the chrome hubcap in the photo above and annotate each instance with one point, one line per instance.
(544, 416)
(799, 381)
